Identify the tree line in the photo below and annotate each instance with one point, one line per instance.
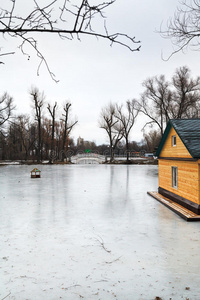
(43, 138)
(48, 135)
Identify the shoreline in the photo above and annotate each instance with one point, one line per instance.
(115, 162)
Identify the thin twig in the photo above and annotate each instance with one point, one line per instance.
(71, 286)
(110, 262)
(6, 296)
(102, 244)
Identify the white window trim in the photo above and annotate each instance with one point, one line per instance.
(174, 177)
(173, 139)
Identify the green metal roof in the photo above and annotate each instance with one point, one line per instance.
(189, 132)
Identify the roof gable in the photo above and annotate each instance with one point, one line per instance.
(189, 132)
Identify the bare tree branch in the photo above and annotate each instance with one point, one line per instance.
(183, 29)
(66, 20)
(6, 110)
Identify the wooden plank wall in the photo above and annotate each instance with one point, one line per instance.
(177, 151)
(188, 178)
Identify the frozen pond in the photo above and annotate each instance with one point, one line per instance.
(92, 232)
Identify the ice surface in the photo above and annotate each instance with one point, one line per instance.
(92, 232)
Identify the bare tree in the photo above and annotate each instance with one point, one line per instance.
(13, 141)
(6, 109)
(163, 100)
(38, 100)
(127, 120)
(155, 101)
(46, 124)
(184, 28)
(66, 18)
(68, 125)
(185, 95)
(152, 139)
(52, 112)
(112, 126)
(24, 130)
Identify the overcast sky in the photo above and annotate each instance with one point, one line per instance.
(91, 73)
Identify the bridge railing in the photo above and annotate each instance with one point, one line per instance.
(88, 155)
(81, 156)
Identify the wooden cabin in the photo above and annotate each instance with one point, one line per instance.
(35, 173)
(179, 163)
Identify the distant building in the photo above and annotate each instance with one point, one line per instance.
(86, 144)
(80, 141)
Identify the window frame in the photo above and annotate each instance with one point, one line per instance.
(173, 140)
(174, 177)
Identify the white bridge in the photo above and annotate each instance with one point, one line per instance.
(88, 158)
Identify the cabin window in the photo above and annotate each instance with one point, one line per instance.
(175, 177)
(173, 140)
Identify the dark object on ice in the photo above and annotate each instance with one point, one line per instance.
(35, 173)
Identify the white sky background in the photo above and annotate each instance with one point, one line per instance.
(92, 73)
